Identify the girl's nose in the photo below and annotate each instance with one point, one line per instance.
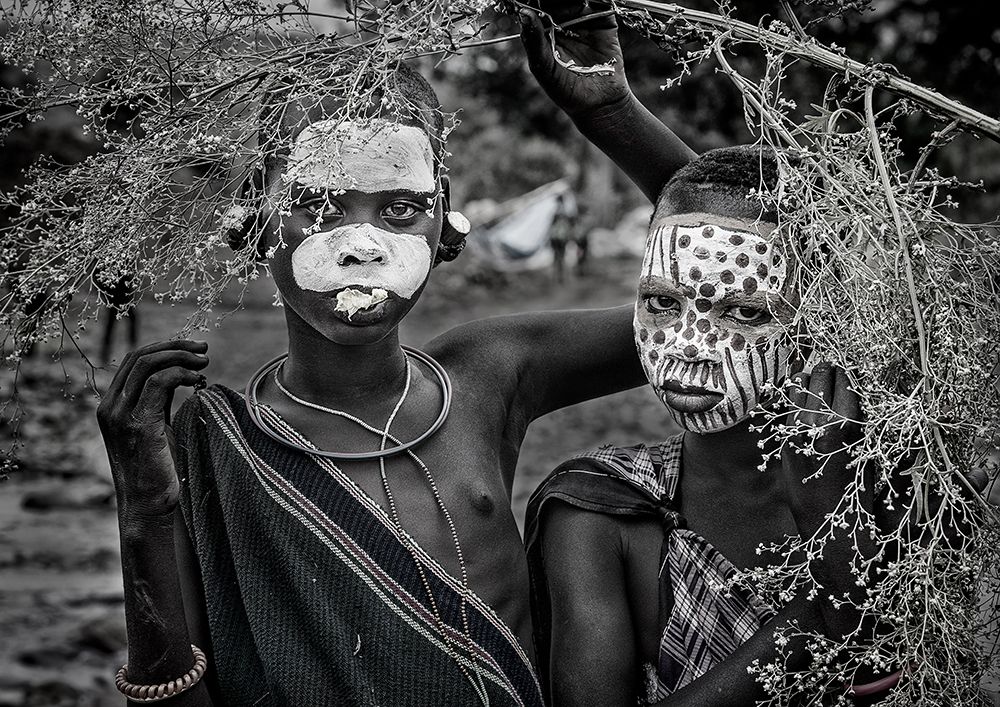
(361, 255)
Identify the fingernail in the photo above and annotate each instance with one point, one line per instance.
(202, 383)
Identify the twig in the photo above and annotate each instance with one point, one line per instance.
(935, 143)
(898, 222)
(817, 54)
(511, 37)
(911, 285)
(794, 21)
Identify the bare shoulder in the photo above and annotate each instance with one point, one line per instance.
(557, 358)
(490, 350)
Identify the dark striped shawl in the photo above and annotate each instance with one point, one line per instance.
(701, 621)
(312, 597)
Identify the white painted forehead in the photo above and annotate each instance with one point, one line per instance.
(372, 156)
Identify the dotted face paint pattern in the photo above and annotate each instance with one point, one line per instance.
(711, 271)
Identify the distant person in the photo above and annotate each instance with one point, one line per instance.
(120, 296)
(581, 239)
(562, 231)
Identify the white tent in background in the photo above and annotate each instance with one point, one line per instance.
(514, 236)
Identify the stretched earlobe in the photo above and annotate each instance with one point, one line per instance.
(453, 232)
(456, 227)
(241, 219)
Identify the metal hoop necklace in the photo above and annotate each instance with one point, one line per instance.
(386, 436)
(253, 408)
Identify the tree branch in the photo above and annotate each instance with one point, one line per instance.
(815, 53)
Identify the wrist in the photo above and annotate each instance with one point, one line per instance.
(595, 117)
(145, 502)
(141, 521)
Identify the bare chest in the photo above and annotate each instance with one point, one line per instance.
(449, 495)
(451, 498)
(737, 520)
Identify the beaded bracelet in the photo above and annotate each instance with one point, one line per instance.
(155, 693)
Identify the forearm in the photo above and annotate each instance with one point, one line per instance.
(159, 643)
(729, 683)
(639, 143)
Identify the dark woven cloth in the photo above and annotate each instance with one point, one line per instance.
(702, 619)
(312, 597)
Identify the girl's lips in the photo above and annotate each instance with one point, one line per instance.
(363, 317)
(360, 317)
(690, 399)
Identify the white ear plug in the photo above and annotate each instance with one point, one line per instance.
(457, 220)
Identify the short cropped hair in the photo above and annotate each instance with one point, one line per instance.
(724, 182)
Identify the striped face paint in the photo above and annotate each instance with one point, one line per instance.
(709, 317)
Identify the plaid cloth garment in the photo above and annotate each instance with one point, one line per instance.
(703, 620)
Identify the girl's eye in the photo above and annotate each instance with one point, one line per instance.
(661, 304)
(748, 315)
(400, 210)
(324, 209)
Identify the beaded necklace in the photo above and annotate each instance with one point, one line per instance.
(253, 407)
(385, 436)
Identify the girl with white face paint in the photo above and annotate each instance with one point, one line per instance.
(358, 496)
(363, 227)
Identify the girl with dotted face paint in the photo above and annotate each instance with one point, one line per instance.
(643, 540)
(632, 549)
(710, 317)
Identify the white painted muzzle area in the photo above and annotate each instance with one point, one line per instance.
(361, 255)
(369, 157)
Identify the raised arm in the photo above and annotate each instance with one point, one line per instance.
(543, 361)
(600, 103)
(133, 422)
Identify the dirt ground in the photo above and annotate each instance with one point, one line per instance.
(60, 587)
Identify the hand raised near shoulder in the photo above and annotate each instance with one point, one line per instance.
(577, 62)
(817, 462)
(823, 478)
(133, 417)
